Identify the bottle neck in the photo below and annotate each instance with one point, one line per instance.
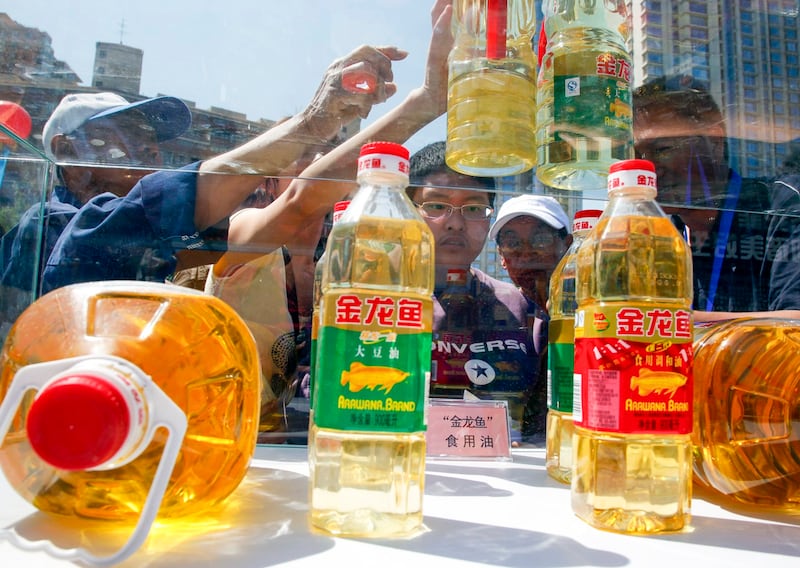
(560, 15)
(382, 178)
(573, 36)
(638, 192)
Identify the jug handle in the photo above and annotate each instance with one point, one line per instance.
(164, 413)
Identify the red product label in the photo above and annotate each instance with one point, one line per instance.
(633, 369)
(385, 311)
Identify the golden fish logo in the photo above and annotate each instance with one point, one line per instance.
(361, 376)
(600, 322)
(621, 109)
(659, 382)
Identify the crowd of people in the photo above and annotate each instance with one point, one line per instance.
(248, 225)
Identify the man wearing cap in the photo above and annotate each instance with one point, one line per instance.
(104, 129)
(85, 134)
(164, 222)
(145, 225)
(532, 233)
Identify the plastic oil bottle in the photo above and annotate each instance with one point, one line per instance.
(123, 399)
(491, 102)
(561, 352)
(338, 210)
(458, 302)
(584, 116)
(747, 420)
(632, 468)
(461, 310)
(367, 456)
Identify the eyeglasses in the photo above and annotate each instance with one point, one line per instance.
(537, 241)
(470, 211)
(124, 140)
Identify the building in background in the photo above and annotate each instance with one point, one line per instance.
(33, 77)
(117, 67)
(746, 51)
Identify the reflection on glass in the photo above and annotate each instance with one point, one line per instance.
(718, 175)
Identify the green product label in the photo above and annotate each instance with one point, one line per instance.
(597, 105)
(373, 363)
(313, 359)
(560, 362)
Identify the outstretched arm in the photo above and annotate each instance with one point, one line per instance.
(225, 180)
(310, 197)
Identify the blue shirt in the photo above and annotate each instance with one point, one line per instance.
(19, 245)
(134, 237)
(783, 245)
(23, 252)
(731, 268)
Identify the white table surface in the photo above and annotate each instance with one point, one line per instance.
(476, 513)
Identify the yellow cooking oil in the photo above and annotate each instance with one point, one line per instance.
(367, 449)
(193, 346)
(633, 364)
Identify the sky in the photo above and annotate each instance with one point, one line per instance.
(264, 58)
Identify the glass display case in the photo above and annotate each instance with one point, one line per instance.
(278, 98)
(25, 182)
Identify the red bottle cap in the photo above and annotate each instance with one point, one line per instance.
(78, 422)
(633, 164)
(16, 119)
(359, 81)
(391, 148)
(632, 173)
(387, 157)
(585, 219)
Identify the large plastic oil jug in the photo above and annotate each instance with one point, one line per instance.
(746, 434)
(124, 400)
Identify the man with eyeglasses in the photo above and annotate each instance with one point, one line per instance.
(102, 144)
(532, 233)
(494, 358)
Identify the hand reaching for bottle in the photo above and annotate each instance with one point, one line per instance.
(435, 83)
(431, 96)
(351, 86)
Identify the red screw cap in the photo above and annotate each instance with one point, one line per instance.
(632, 164)
(391, 148)
(78, 422)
